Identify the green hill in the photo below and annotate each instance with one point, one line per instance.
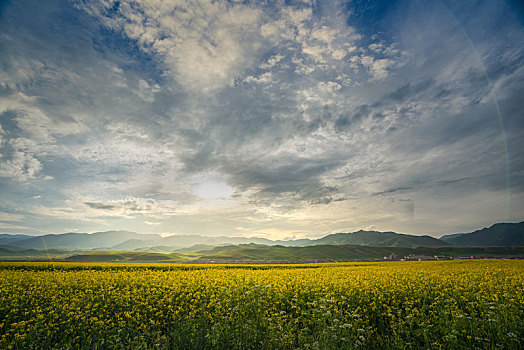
(255, 252)
(348, 252)
(14, 253)
(122, 256)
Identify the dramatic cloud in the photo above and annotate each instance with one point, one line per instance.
(274, 119)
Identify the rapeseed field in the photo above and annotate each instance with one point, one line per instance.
(473, 304)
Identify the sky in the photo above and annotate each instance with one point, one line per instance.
(274, 119)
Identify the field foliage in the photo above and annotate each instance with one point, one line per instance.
(395, 305)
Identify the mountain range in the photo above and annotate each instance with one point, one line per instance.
(502, 234)
(507, 234)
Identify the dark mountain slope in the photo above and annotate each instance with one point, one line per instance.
(503, 235)
(381, 239)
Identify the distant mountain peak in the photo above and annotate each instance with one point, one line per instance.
(499, 234)
(380, 239)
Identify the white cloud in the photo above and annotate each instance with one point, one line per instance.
(152, 223)
(33, 120)
(40, 130)
(378, 68)
(146, 91)
(298, 16)
(376, 47)
(205, 44)
(126, 131)
(263, 78)
(324, 34)
(212, 189)
(21, 166)
(87, 208)
(329, 86)
(338, 54)
(277, 31)
(10, 216)
(272, 61)
(4, 225)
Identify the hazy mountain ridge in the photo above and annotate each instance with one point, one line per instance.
(10, 238)
(125, 241)
(187, 241)
(511, 234)
(72, 240)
